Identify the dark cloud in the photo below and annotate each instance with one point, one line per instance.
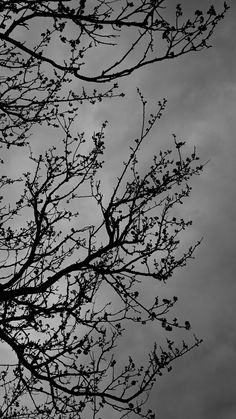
(201, 92)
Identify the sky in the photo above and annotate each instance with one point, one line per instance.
(201, 93)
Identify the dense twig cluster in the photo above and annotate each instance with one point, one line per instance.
(44, 45)
(52, 277)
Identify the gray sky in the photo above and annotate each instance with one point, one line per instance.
(201, 93)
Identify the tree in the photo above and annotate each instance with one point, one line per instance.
(35, 82)
(56, 267)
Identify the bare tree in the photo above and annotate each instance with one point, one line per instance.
(70, 288)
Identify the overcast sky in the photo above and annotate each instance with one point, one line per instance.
(201, 93)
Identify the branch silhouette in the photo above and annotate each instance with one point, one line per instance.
(72, 284)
